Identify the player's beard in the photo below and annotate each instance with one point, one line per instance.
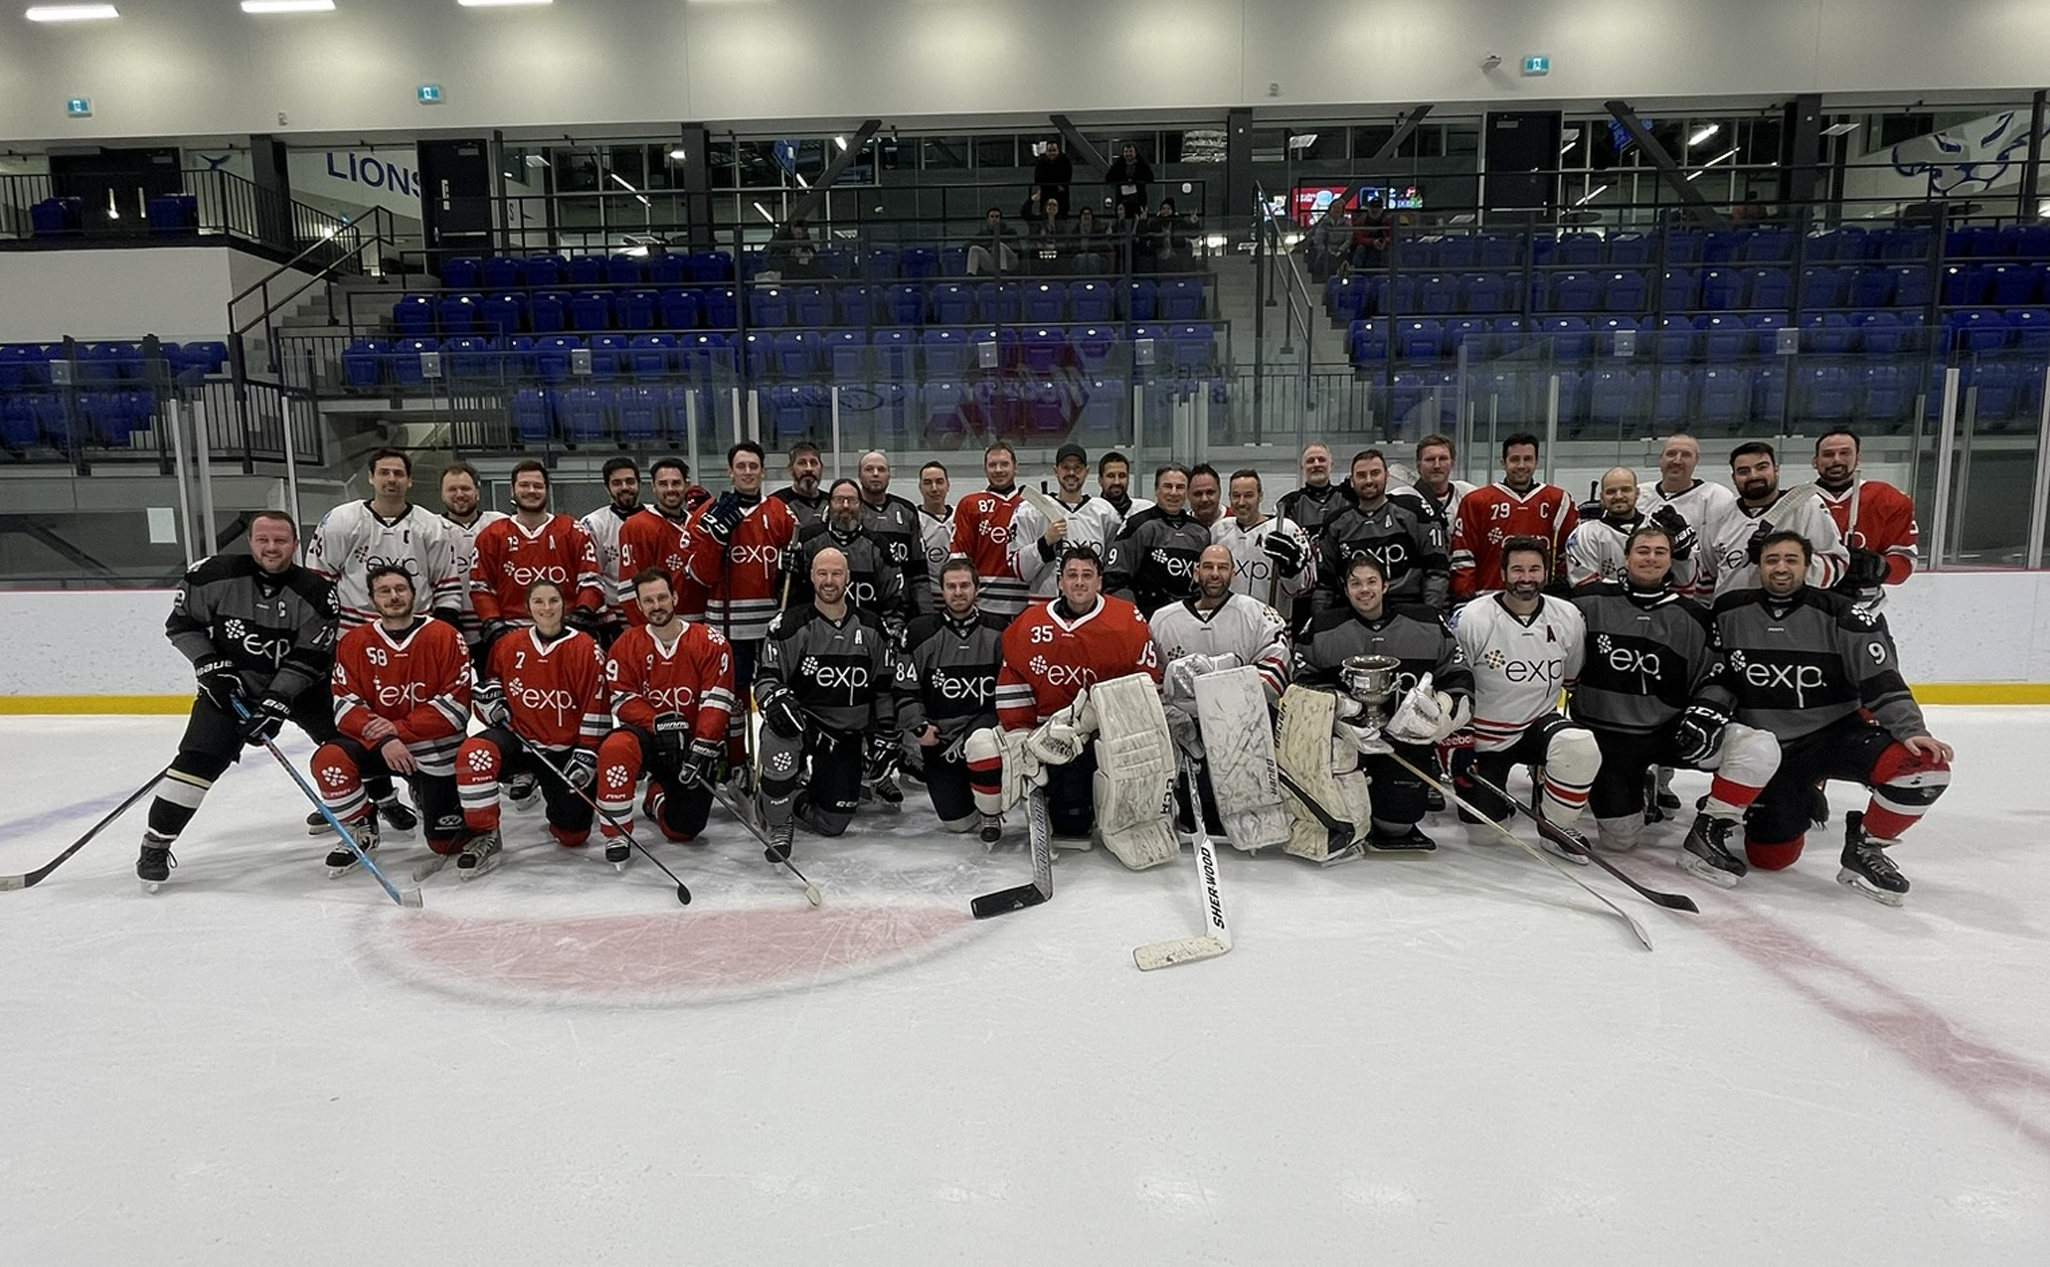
(1755, 490)
(1523, 591)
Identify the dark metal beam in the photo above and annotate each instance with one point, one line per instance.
(1801, 152)
(1238, 168)
(809, 202)
(1405, 127)
(2032, 170)
(695, 173)
(1078, 145)
(1675, 179)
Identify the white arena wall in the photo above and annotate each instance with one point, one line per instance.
(178, 293)
(1971, 635)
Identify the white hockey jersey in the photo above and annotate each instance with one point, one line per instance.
(603, 524)
(936, 534)
(1799, 509)
(352, 539)
(1519, 666)
(1594, 553)
(1703, 506)
(1092, 521)
(1255, 575)
(1241, 626)
(1447, 506)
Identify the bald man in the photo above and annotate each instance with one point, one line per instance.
(1700, 504)
(826, 690)
(893, 523)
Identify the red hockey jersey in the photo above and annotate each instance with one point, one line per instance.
(982, 531)
(693, 676)
(744, 583)
(1886, 524)
(510, 559)
(555, 689)
(651, 539)
(419, 681)
(1490, 516)
(1049, 658)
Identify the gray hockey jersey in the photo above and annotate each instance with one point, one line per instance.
(1153, 562)
(1798, 664)
(895, 526)
(843, 672)
(947, 674)
(1408, 540)
(873, 582)
(1415, 635)
(277, 629)
(1648, 656)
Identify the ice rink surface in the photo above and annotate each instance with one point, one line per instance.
(1458, 1059)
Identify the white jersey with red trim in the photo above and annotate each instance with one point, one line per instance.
(1799, 509)
(1703, 505)
(1520, 664)
(353, 538)
(462, 549)
(604, 524)
(1049, 656)
(1241, 626)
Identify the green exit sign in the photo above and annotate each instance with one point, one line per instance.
(1537, 64)
(79, 107)
(429, 94)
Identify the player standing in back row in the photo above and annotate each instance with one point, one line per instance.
(623, 491)
(387, 530)
(535, 544)
(1519, 505)
(1876, 519)
(982, 532)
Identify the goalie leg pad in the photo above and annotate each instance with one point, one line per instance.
(1324, 791)
(1231, 708)
(1001, 768)
(1135, 773)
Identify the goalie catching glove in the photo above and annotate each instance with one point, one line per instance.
(1060, 738)
(1427, 715)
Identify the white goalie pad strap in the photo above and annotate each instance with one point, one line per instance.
(1135, 772)
(1749, 757)
(1231, 708)
(1007, 754)
(1323, 788)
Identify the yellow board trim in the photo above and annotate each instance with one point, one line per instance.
(164, 705)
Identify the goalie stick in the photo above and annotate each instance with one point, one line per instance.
(1551, 832)
(1216, 939)
(1452, 794)
(1040, 831)
(35, 877)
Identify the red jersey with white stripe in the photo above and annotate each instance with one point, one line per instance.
(692, 676)
(1885, 525)
(1520, 663)
(982, 531)
(511, 558)
(651, 539)
(418, 680)
(1049, 657)
(743, 583)
(1489, 516)
(554, 688)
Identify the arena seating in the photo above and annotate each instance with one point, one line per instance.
(111, 400)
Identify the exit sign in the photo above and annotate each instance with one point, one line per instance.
(79, 107)
(1537, 64)
(429, 94)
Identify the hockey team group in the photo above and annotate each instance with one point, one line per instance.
(1316, 679)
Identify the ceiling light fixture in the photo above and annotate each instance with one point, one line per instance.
(499, 4)
(71, 12)
(287, 6)
(1702, 134)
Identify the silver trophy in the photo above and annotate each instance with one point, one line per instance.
(1370, 679)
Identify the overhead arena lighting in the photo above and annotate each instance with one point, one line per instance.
(1702, 134)
(288, 6)
(499, 4)
(1840, 129)
(71, 12)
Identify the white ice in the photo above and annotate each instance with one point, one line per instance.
(1459, 1059)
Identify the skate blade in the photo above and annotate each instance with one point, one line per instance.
(336, 873)
(1352, 853)
(1865, 888)
(1577, 859)
(151, 886)
(471, 873)
(1702, 870)
(319, 829)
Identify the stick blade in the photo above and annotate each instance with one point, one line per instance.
(8, 883)
(1004, 901)
(1166, 954)
(410, 899)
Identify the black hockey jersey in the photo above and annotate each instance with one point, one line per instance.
(278, 629)
(896, 527)
(873, 582)
(947, 674)
(1415, 635)
(1648, 656)
(1797, 664)
(808, 510)
(1153, 561)
(1408, 540)
(843, 672)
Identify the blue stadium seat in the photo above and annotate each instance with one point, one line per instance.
(1181, 299)
(643, 413)
(1195, 346)
(363, 364)
(1576, 292)
(1457, 252)
(462, 273)
(1615, 397)
(1470, 333)
(1913, 286)
(546, 270)
(609, 354)
(1977, 330)
(1368, 341)
(706, 356)
(1485, 293)
(677, 309)
(1570, 336)
(1104, 405)
(947, 351)
(1676, 339)
(1628, 250)
(1722, 289)
(1768, 288)
(625, 270)
(1824, 287)
(904, 304)
(503, 315)
(711, 267)
(857, 304)
(1722, 399)
(637, 310)
(893, 351)
(1498, 250)
(1579, 250)
(586, 270)
(997, 303)
(651, 355)
(1871, 287)
(1963, 284)
(1091, 347)
(1674, 396)
(2031, 329)
(1045, 302)
(1679, 290)
(668, 270)
(797, 353)
(1829, 334)
(917, 263)
(1623, 291)
(591, 310)
(1141, 300)
(718, 306)
(756, 351)
(548, 312)
(470, 356)
(1724, 338)
(1685, 247)
(1437, 295)
(1823, 393)
(846, 353)
(457, 313)
(586, 413)
(2012, 285)
(1419, 340)
(413, 316)
(768, 306)
(953, 304)
(501, 272)
(1883, 396)
(405, 361)
(879, 263)
(551, 356)
(1882, 334)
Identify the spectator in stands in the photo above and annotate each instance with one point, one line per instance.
(1052, 173)
(1128, 177)
(1369, 236)
(1164, 240)
(1049, 239)
(992, 250)
(1089, 243)
(792, 252)
(1123, 236)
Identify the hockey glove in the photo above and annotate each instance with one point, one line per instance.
(724, 516)
(1183, 729)
(701, 764)
(1182, 672)
(219, 682)
(1285, 551)
(493, 631)
(781, 714)
(1427, 715)
(585, 620)
(1755, 547)
(1699, 734)
(582, 768)
(489, 699)
(266, 719)
(1676, 526)
(1868, 568)
(672, 732)
(1060, 738)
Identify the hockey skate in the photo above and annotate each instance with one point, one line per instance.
(480, 854)
(341, 859)
(1706, 852)
(1575, 849)
(1866, 868)
(887, 790)
(398, 815)
(780, 837)
(618, 852)
(317, 824)
(154, 866)
(992, 830)
(523, 791)
(1411, 843)
(1655, 798)
(1818, 806)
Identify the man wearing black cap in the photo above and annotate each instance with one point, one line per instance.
(1046, 527)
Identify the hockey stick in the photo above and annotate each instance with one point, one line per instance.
(411, 897)
(35, 877)
(733, 806)
(1551, 832)
(1037, 828)
(682, 889)
(1216, 939)
(1451, 794)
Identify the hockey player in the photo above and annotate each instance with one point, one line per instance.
(1060, 660)
(1212, 630)
(386, 531)
(946, 689)
(1206, 494)
(873, 582)
(672, 688)
(1876, 520)
(737, 542)
(1520, 505)
(1595, 552)
(1037, 546)
(807, 504)
(1405, 536)
(402, 689)
(893, 524)
(982, 531)
(543, 690)
(258, 628)
(1272, 558)
(1434, 482)
(1114, 485)
(1763, 508)
(935, 525)
(1524, 647)
(1153, 561)
(1309, 508)
(1699, 504)
(1431, 669)
(1820, 673)
(826, 689)
(533, 545)
(1644, 687)
(623, 487)
(658, 536)
(463, 517)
